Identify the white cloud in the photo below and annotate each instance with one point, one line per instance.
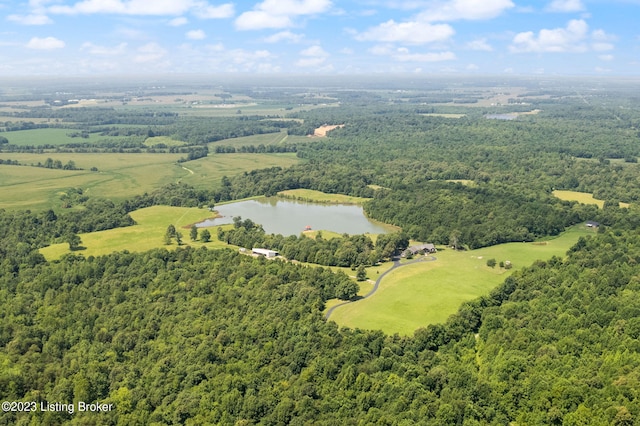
(206, 11)
(196, 35)
(279, 13)
(602, 41)
(150, 52)
(413, 32)
(565, 6)
(47, 43)
(97, 50)
(569, 39)
(472, 10)
(178, 22)
(480, 44)
(472, 67)
(34, 19)
(145, 7)
(404, 55)
(606, 58)
(284, 36)
(313, 56)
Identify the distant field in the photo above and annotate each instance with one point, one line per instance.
(165, 140)
(582, 197)
(152, 223)
(320, 197)
(120, 176)
(425, 293)
(53, 137)
(262, 139)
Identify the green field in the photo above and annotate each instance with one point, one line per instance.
(261, 139)
(119, 176)
(147, 234)
(164, 140)
(582, 197)
(423, 293)
(39, 137)
(320, 197)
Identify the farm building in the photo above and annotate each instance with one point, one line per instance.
(592, 224)
(422, 248)
(264, 252)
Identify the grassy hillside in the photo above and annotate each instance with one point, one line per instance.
(428, 292)
(152, 223)
(119, 176)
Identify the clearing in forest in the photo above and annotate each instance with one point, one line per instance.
(422, 293)
(322, 130)
(582, 197)
(148, 233)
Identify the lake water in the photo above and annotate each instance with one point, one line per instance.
(287, 217)
(505, 116)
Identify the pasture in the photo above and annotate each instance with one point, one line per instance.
(582, 197)
(428, 292)
(147, 234)
(119, 176)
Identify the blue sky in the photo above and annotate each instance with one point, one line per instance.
(550, 37)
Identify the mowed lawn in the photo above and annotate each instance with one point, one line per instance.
(423, 293)
(119, 176)
(147, 234)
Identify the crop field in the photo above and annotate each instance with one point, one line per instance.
(147, 234)
(428, 292)
(119, 176)
(581, 197)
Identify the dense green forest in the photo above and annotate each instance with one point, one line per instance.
(198, 336)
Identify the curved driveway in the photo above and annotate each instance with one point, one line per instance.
(396, 264)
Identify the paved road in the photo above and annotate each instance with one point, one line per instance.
(396, 264)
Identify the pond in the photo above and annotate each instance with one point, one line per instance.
(505, 116)
(287, 217)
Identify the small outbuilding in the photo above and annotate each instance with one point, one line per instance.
(592, 224)
(265, 252)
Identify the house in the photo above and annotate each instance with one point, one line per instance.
(422, 248)
(265, 252)
(592, 224)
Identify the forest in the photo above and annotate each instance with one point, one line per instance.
(202, 336)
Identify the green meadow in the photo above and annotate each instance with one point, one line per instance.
(581, 197)
(428, 292)
(119, 176)
(147, 234)
(320, 197)
(37, 137)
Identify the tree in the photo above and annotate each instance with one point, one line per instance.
(193, 233)
(346, 290)
(179, 238)
(491, 263)
(74, 241)
(3, 140)
(205, 236)
(171, 233)
(361, 273)
(454, 239)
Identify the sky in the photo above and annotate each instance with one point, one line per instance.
(518, 37)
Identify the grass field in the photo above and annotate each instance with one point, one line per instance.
(320, 197)
(165, 140)
(416, 295)
(147, 234)
(262, 139)
(39, 137)
(120, 176)
(582, 197)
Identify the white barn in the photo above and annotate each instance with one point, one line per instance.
(265, 252)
